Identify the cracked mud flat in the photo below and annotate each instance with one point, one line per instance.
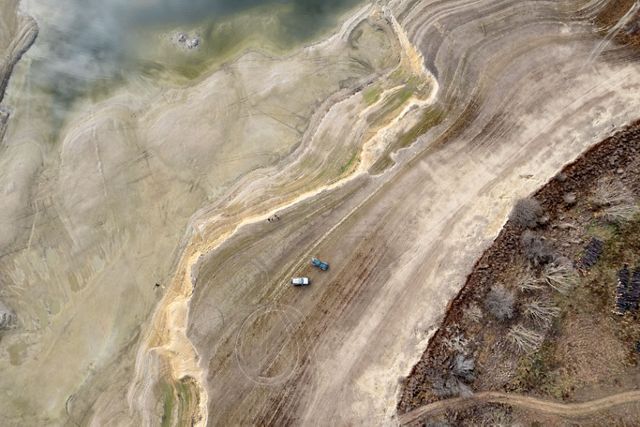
(174, 185)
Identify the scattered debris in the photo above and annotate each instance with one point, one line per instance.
(462, 367)
(566, 226)
(622, 304)
(592, 253)
(627, 290)
(452, 383)
(7, 317)
(273, 218)
(187, 41)
(634, 292)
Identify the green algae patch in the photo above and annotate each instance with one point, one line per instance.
(180, 402)
(168, 399)
(372, 95)
(431, 117)
(350, 165)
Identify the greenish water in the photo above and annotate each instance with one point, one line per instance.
(88, 47)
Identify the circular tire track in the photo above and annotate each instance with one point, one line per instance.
(266, 349)
(209, 328)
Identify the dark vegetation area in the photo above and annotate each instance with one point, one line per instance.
(611, 14)
(551, 308)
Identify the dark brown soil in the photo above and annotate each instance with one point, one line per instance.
(611, 14)
(588, 351)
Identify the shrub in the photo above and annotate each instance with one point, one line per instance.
(615, 200)
(620, 213)
(569, 199)
(541, 311)
(462, 367)
(536, 249)
(524, 339)
(448, 386)
(530, 283)
(452, 382)
(560, 276)
(473, 313)
(526, 213)
(610, 192)
(499, 302)
(457, 343)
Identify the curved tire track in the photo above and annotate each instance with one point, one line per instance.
(571, 410)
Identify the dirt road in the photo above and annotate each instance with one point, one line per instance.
(569, 410)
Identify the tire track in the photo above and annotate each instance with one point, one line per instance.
(569, 410)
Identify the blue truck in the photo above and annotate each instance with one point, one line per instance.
(320, 264)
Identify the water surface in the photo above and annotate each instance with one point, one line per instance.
(87, 47)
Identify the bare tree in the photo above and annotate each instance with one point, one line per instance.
(525, 339)
(536, 249)
(526, 213)
(499, 302)
(560, 276)
(541, 311)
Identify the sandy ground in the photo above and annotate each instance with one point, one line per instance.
(174, 186)
(95, 216)
(332, 354)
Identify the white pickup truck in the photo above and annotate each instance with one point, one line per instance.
(300, 281)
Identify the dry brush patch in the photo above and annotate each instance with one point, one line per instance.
(522, 306)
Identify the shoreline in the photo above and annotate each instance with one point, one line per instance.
(20, 43)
